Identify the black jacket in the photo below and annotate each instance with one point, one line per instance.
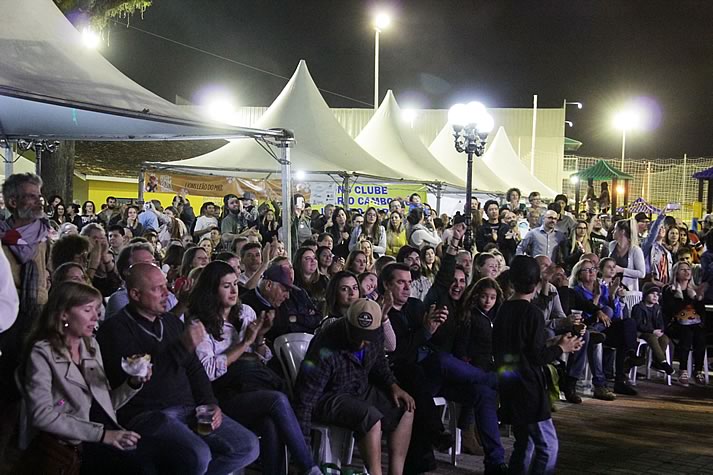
(520, 350)
(647, 319)
(438, 295)
(411, 335)
(474, 342)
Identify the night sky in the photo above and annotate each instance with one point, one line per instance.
(439, 52)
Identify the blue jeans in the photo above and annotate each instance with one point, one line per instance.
(461, 382)
(270, 415)
(169, 441)
(577, 361)
(535, 448)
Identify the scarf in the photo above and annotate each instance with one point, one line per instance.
(24, 242)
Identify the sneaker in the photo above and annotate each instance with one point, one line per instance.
(699, 378)
(621, 387)
(663, 366)
(603, 393)
(570, 392)
(683, 378)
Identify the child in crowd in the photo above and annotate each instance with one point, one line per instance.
(520, 356)
(650, 326)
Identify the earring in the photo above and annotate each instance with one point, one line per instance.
(66, 324)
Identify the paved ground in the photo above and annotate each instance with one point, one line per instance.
(664, 430)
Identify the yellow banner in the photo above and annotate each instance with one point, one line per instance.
(200, 185)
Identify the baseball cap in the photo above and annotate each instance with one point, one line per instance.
(364, 318)
(277, 273)
(650, 287)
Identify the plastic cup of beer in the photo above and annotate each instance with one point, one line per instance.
(204, 417)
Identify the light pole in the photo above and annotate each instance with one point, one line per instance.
(381, 22)
(624, 120)
(471, 124)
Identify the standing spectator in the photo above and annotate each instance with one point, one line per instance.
(89, 213)
(26, 247)
(628, 257)
(341, 232)
(9, 303)
(604, 198)
(301, 228)
(371, 230)
(488, 232)
(395, 234)
(104, 278)
(544, 240)
(235, 218)
(131, 221)
(206, 221)
(269, 226)
(111, 214)
(520, 356)
(59, 214)
(421, 232)
(117, 238)
(512, 196)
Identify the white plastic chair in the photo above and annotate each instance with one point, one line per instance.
(649, 359)
(330, 444)
(632, 298)
(705, 364)
(450, 408)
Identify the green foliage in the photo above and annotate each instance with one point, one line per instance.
(101, 11)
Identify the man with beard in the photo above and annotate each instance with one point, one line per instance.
(111, 214)
(598, 235)
(345, 380)
(24, 241)
(235, 220)
(420, 285)
(424, 360)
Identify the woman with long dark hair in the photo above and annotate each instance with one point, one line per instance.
(64, 364)
(89, 213)
(308, 277)
(269, 225)
(395, 234)
(235, 334)
(59, 215)
(341, 232)
(130, 220)
(371, 230)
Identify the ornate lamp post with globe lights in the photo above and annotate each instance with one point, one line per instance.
(471, 124)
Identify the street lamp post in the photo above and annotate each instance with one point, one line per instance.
(471, 124)
(628, 119)
(381, 21)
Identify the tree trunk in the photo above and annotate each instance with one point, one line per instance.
(58, 172)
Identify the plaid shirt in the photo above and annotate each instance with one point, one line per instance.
(330, 368)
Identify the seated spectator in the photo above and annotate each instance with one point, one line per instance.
(340, 230)
(74, 248)
(234, 334)
(420, 284)
(650, 326)
(117, 238)
(69, 271)
(620, 332)
(232, 259)
(166, 407)
(382, 262)
(683, 313)
(207, 244)
(172, 262)
(308, 278)
(486, 265)
(194, 257)
(342, 291)
(254, 259)
(368, 283)
(62, 358)
(368, 249)
(356, 262)
(332, 389)
(325, 259)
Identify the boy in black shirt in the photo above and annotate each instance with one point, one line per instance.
(520, 354)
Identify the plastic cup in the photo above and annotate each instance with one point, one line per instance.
(204, 417)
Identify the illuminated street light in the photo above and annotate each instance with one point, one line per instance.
(567, 103)
(569, 123)
(624, 120)
(381, 22)
(471, 125)
(574, 179)
(300, 175)
(90, 38)
(620, 189)
(220, 108)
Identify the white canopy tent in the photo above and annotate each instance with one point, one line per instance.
(393, 142)
(53, 88)
(484, 178)
(501, 156)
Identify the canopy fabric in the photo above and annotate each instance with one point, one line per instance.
(52, 87)
(706, 174)
(444, 151)
(501, 158)
(571, 145)
(322, 145)
(640, 205)
(393, 142)
(602, 171)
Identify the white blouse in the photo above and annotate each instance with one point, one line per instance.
(211, 352)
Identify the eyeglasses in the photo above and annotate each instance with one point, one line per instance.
(589, 270)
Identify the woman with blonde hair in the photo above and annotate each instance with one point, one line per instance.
(63, 379)
(580, 244)
(367, 248)
(395, 234)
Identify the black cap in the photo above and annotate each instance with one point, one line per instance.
(277, 273)
(641, 217)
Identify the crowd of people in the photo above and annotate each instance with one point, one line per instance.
(141, 338)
